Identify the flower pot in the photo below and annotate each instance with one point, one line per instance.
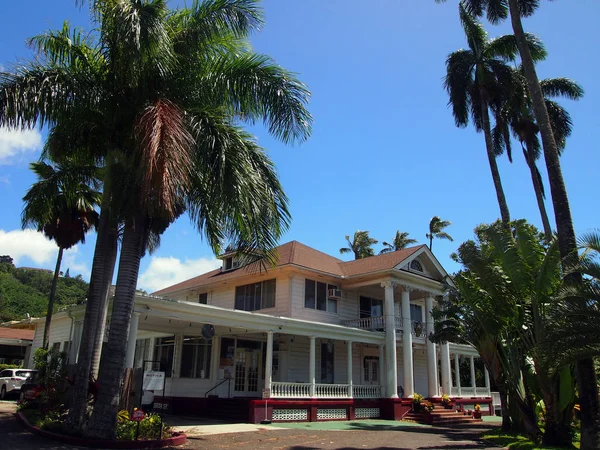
(476, 414)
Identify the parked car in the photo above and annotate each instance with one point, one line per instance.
(11, 380)
(30, 388)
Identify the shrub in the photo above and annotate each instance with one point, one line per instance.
(149, 428)
(446, 399)
(9, 366)
(418, 398)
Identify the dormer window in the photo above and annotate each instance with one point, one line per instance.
(416, 265)
(228, 263)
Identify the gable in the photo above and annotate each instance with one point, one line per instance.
(427, 262)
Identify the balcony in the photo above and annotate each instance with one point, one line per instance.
(378, 324)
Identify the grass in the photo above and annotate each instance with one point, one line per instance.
(514, 441)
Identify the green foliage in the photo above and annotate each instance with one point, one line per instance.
(8, 366)
(149, 428)
(26, 291)
(515, 441)
(361, 245)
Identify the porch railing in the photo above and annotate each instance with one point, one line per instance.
(470, 392)
(302, 390)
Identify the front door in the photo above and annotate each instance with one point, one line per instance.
(371, 370)
(247, 372)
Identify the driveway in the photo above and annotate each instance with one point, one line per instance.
(361, 435)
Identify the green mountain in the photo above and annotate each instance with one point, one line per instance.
(25, 291)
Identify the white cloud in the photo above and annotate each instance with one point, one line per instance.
(29, 244)
(166, 271)
(14, 144)
(33, 246)
(5, 179)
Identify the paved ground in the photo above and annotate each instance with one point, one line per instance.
(363, 435)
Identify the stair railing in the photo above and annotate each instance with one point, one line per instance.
(226, 380)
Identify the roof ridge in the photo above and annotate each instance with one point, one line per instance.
(414, 248)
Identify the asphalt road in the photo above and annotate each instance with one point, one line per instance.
(365, 437)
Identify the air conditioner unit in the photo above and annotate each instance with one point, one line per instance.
(335, 293)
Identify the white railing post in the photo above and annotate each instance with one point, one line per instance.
(349, 368)
(269, 362)
(312, 366)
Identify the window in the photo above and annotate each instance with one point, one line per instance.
(203, 298)
(370, 307)
(416, 265)
(252, 297)
(228, 263)
(142, 347)
(66, 347)
(416, 313)
(195, 357)
(316, 296)
(6, 374)
(327, 362)
(371, 369)
(163, 352)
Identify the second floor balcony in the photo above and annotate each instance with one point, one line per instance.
(378, 324)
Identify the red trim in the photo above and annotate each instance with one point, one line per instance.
(179, 439)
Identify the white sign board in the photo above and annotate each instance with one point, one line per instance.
(153, 381)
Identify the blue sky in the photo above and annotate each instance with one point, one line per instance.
(384, 154)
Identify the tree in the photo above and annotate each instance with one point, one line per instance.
(436, 227)
(497, 11)
(517, 112)
(61, 205)
(163, 89)
(401, 241)
(361, 245)
(478, 78)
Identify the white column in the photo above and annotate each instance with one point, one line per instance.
(269, 361)
(133, 328)
(473, 379)
(74, 350)
(457, 373)
(487, 378)
(446, 372)
(312, 363)
(349, 368)
(381, 369)
(407, 363)
(390, 341)
(432, 372)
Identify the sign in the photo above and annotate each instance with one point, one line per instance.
(153, 381)
(266, 393)
(138, 415)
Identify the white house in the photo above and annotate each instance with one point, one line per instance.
(312, 338)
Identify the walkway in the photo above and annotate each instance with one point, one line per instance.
(373, 435)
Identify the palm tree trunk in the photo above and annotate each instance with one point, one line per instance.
(586, 376)
(79, 392)
(430, 241)
(485, 116)
(103, 422)
(537, 187)
(109, 270)
(51, 298)
(506, 420)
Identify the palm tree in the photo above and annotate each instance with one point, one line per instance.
(165, 89)
(436, 227)
(517, 112)
(361, 245)
(476, 79)
(496, 11)
(61, 205)
(400, 242)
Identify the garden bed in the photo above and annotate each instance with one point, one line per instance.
(176, 439)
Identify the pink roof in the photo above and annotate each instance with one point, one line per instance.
(15, 333)
(295, 253)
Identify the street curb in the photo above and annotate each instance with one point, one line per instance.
(179, 439)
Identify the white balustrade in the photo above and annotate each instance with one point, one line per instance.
(467, 392)
(366, 323)
(454, 392)
(471, 392)
(482, 392)
(398, 321)
(331, 390)
(364, 391)
(290, 390)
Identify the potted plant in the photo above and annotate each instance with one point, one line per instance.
(416, 402)
(477, 412)
(446, 401)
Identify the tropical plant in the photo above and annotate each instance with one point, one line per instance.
(361, 245)
(401, 241)
(510, 282)
(436, 230)
(517, 112)
(161, 91)
(61, 205)
(497, 11)
(478, 78)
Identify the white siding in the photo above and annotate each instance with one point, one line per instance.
(420, 371)
(60, 329)
(297, 360)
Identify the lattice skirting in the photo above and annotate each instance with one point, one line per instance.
(367, 413)
(290, 414)
(331, 413)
